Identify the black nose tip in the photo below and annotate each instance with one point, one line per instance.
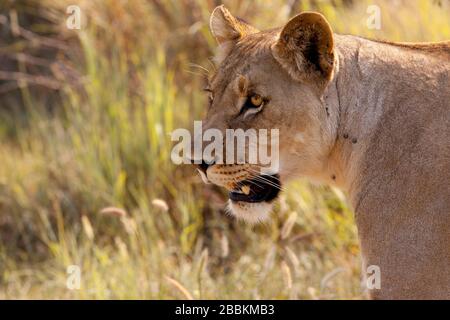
(204, 165)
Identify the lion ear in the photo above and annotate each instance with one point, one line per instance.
(228, 30)
(306, 48)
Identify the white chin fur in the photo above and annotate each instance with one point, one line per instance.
(252, 213)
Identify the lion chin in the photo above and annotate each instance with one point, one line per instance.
(252, 213)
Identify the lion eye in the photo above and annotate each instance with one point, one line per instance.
(253, 105)
(256, 100)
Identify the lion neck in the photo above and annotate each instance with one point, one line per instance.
(354, 101)
(372, 82)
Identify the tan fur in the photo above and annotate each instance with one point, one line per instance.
(368, 116)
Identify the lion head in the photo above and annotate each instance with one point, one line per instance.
(268, 80)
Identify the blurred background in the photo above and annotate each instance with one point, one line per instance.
(85, 171)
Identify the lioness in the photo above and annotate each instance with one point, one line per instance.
(370, 117)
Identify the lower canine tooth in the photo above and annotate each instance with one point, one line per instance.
(246, 190)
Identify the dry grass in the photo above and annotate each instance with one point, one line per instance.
(86, 177)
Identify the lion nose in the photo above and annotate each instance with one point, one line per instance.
(202, 168)
(205, 165)
(200, 162)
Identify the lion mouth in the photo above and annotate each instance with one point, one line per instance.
(258, 189)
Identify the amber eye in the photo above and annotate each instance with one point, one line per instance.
(253, 104)
(256, 100)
